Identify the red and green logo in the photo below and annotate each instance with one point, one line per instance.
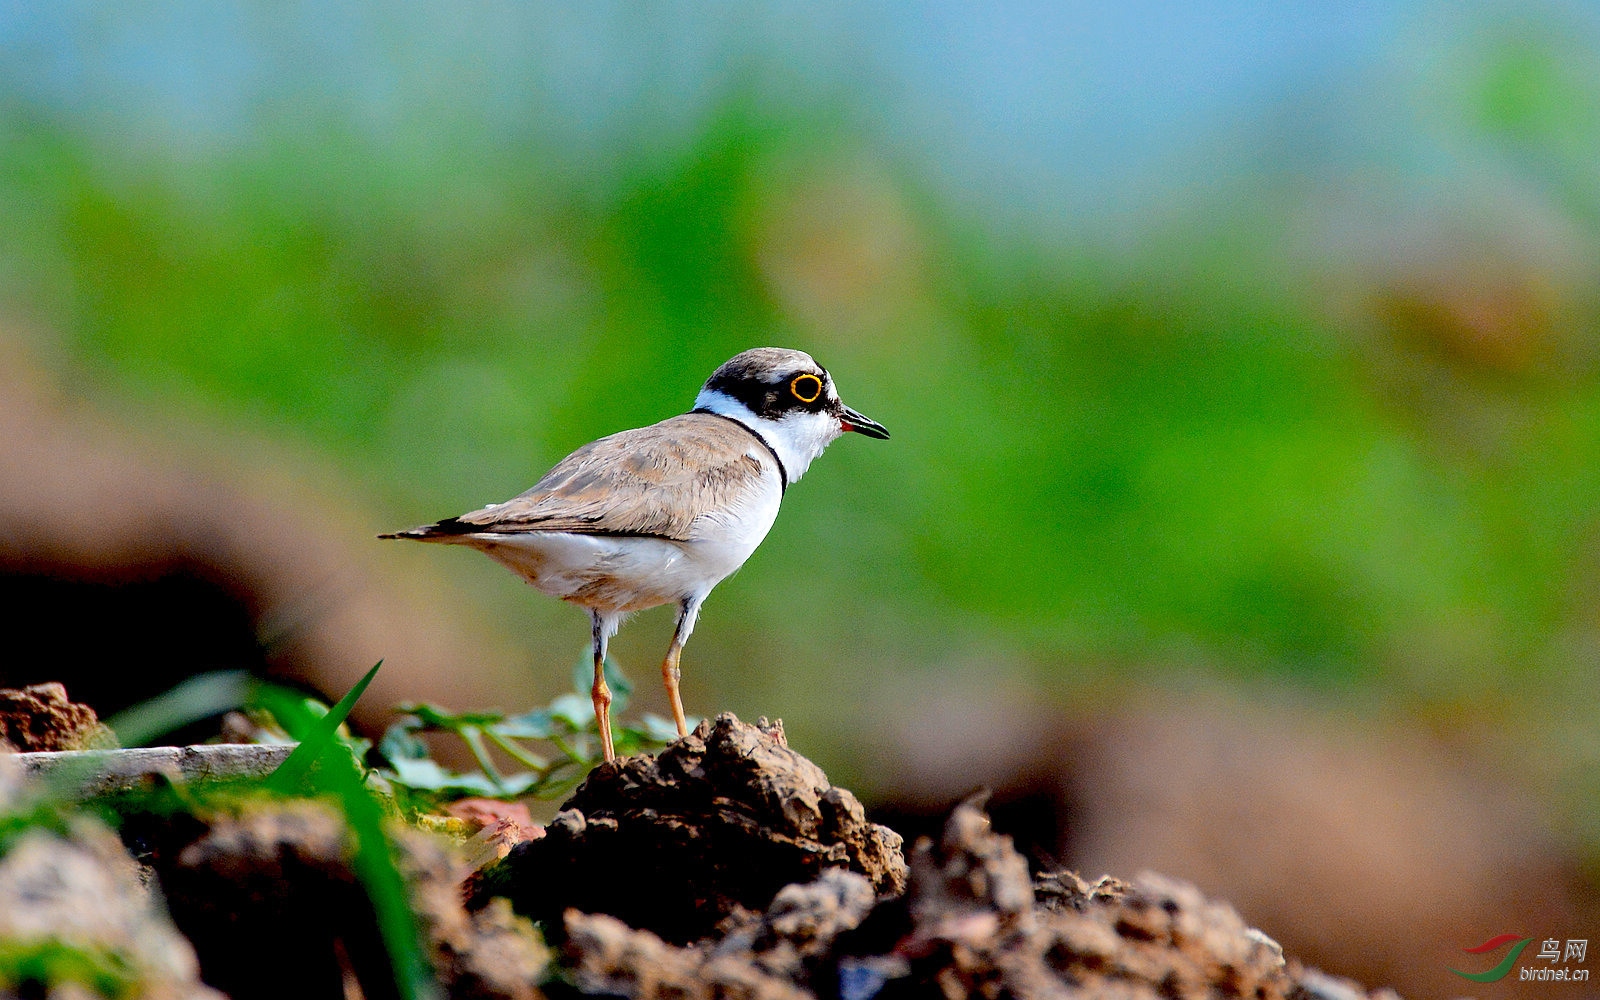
(1493, 944)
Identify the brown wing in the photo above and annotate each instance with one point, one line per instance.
(650, 481)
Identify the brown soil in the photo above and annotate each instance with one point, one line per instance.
(727, 866)
(42, 717)
(972, 924)
(714, 826)
(70, 894)
(969, 920)
(276, 878)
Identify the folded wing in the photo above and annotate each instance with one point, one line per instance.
(654, 481)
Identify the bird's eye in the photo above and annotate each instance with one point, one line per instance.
(806, 388)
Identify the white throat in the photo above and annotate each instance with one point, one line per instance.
(798, 438)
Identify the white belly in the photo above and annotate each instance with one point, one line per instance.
(609, 573)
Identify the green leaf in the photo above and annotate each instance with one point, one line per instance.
(575, 710)
(662, 729)
(400, 743)
(429, 776)
(536, 724)
(323, 764)
(566, 725)
(48, 963)
(434, 717)
(316, 738)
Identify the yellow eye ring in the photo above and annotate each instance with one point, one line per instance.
(803, 384)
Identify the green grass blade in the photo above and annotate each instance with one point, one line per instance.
(315, 739)
(322, 764)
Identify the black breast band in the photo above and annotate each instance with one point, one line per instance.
(783, 474)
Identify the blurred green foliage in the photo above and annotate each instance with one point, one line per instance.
(564, 738)
(1251, 434)
(325, 764)
(32, 967)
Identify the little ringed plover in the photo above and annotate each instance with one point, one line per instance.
(664, 513)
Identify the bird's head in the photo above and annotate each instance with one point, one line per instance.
(788, 399)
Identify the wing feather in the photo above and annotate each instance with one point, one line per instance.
(651, 481)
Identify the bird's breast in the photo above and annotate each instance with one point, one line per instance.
(724, 538)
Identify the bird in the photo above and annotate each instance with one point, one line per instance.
(662, 514)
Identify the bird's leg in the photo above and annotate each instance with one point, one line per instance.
(601, 692)
(688, 612)
(669, 674)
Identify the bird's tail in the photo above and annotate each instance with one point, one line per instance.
(448, 529)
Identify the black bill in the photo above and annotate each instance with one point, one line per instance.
(861, 423)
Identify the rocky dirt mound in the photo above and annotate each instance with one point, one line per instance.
(714, 826)
(972, 923)
(75, 918)
(42, 717)
(277, 878)
(727, 866)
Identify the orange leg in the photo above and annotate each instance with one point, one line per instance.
(688, 614)
(601, 692)
(670, 674)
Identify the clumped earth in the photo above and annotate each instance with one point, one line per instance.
(726, 866)
(42, 717)
(971, 921)
(77, 920)
(714, 826)
(277, 878)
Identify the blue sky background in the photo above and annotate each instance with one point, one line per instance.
(1063, 108)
